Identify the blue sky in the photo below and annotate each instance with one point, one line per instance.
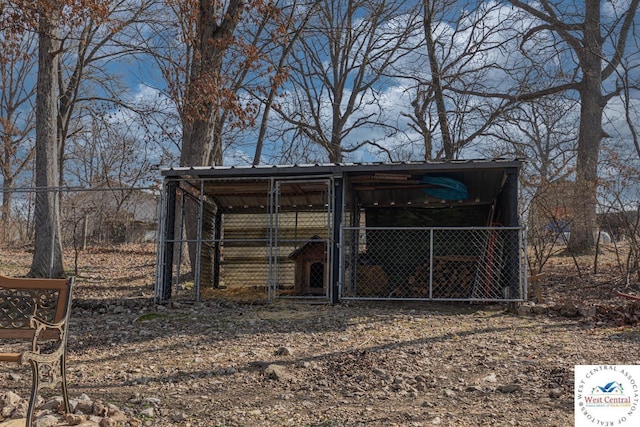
(145, 88)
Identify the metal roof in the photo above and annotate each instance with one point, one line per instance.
(246, 189)
(337, 168)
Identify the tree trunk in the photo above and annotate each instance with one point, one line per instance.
(202, 138)
(47, 255)
(335, 152)
(436, 80)
(202, 103)
(590, 135)
(198, 148)
(5, 214)
(7, 199)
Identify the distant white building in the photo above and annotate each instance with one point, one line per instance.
(110, 212)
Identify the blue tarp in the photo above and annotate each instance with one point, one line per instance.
(446, 188)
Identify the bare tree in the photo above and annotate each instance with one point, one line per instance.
(620, 208)
(17, 118)
(337, 73)
(543, 132)
(211, 73)
(430, 9)
(629, 110)
(209, 34)
(563, 47)
(458, 42)
(47, 255)
(212, 65)
(109, 151)
(87, 86)
(294, 24)
(589, 47)
(57, 97)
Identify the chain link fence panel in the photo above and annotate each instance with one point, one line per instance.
(108, 235)
(469, 264)
(254, 250)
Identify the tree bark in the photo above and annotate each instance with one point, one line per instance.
(590, 134)
(202, 110)
(436, 80)
(202, 138)
(47, 255)
(7, 196)
(5, 214)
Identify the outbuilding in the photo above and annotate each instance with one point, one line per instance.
(445, 230)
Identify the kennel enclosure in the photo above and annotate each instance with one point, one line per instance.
(445, 230)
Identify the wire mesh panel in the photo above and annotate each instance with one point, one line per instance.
(243, 259)
(88, 216)
(301, 234)
(218, 247)
(174, 265)
(434, 263)
(256, 238)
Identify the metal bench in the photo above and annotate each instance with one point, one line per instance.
(37, 311)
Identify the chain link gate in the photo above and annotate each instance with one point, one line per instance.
(454, 264)
(301, 249)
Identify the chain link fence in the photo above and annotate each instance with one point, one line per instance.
(109, 236)
(470, 264)
(264, 239)
(108, 233)
(255, 250)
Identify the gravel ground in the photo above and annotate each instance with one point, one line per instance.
(225, 363)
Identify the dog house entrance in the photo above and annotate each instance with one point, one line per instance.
(301, 231)
(316, 275)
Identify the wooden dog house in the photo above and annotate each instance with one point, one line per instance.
(311, 267)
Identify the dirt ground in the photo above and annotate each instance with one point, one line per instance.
(242, 363)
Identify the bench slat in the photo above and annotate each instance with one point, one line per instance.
(10, 357)
(26, 334)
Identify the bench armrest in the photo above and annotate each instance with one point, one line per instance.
(47, 332)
